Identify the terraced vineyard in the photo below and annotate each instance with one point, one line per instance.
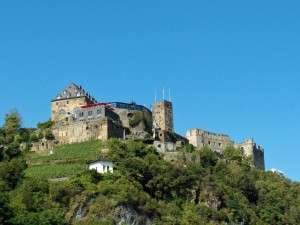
(66, 160)
(54, 171)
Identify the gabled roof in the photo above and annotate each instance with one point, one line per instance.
(101, 160)
(74, 91)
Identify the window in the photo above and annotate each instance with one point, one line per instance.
(81, 115)
(107, 167)
(61, 112)
(98, 112)
(90, 114)
(103, 168)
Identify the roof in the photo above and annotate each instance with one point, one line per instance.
(73, 91)
(100, 160)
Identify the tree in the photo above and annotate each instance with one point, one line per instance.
(33, 137)
(40, 134)
(11, 125)
(49, 135)
(5, 211)
(207, 157)
(233, 154)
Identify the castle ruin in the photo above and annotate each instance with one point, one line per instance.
(218, 142)
(79, 117)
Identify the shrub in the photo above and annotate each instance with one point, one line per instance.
(137, 118)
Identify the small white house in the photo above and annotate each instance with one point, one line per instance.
(102, 165)
(277, 172)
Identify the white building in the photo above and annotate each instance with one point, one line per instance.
(102, 165)
(277, 172)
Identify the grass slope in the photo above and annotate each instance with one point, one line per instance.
(66, 160)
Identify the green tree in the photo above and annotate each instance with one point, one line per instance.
(33, 137)
(49, 135)
(11, 125)
(5, 212)
(40, 134)
(208, 158)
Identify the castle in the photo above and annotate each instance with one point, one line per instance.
(79, 117)
(218, 142)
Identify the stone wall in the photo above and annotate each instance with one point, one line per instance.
(43, 145)
(69, 132)
(162, 146)
(252, 149)
(142, 130)
(216, 142)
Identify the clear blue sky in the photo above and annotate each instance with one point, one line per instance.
(232, 66)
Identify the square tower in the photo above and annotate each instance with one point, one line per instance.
(163, 115)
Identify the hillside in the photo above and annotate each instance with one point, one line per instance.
(199, 188)
(65, 160)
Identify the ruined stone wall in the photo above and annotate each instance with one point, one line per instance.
(162, 146)
(143, 129)
(163, 115)
(250, 148)
(216, 142)
(43, 145)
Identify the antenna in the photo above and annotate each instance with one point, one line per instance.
(155, 96)
(170, 94)
(163, 93)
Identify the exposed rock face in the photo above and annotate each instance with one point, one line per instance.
(128, 215)
(122, 214)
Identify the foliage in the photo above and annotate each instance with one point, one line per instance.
(11, 125)
(45, 125)
(136, 119)
(201, 189)
(11, 173)
(40, 135)
(48, 134)
(85, 150)
(34, 137)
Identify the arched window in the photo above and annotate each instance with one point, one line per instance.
(61, 112)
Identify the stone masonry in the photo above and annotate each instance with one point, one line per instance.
(218, 142)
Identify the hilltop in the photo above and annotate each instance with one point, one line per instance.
(149, 185)
(199, 188)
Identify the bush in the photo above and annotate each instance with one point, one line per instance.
(49, 135)
(40, 135)
(33, 137)
(137, 118)
(45, 125)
